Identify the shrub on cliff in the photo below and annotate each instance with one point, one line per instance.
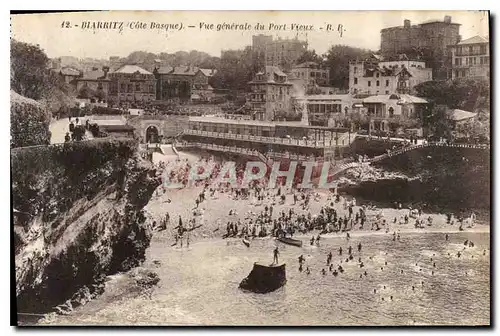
(29, 122)
(66, 172)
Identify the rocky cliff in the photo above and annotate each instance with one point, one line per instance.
(456, 179)
(78, 216)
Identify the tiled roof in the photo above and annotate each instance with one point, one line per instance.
(306, 65)
(274, 69)
(94, 75)
(458, 115)
(208, 72)
(185, 70)
(130, 69)
(473, 40)
(70, 71)
(404, 98)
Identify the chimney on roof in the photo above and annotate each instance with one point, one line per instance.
(407, 23)
(105, 69)
(447, 19)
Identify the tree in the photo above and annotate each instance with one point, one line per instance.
(467, 94)
(337, 60)
(31, 78)
(28, 69)
(310, 56)
(236, 69)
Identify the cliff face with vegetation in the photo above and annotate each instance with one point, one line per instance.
(78, 216)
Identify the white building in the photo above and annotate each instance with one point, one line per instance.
(374, 77)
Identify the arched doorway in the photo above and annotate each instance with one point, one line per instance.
(152, 135)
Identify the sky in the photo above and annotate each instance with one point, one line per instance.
(359, 29)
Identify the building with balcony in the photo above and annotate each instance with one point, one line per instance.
(470, 58)
(183, 83)
(311, 73)
(69, 74)
(430, 39)
(393, 113)
(329, 110)
(94, 84)
(270, 92)
(131, 85)
(274, 139)
(377, 76)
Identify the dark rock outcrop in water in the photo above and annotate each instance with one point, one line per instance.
(439, 177)
(264, 279)
(79, 219)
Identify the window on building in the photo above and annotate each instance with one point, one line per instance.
(457, 73)
(482, 49)
(369, 83)
(123, 87)
(151, 88)
(386, 92)
(377, 74)
(463, 73)
(137, 87)
(386, 82)
(456, 61)
(99, 86)
(355, 81)
(391, 112)
(129, 88)
(471, 49)
(355, 69)
(378, 83)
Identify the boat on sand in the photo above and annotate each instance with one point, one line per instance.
(290, 241)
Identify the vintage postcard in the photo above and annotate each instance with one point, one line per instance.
(246, 168)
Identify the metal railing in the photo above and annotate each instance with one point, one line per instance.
(322, 143)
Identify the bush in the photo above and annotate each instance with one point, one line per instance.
(29, 122)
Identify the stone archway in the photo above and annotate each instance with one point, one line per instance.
(152, 134)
